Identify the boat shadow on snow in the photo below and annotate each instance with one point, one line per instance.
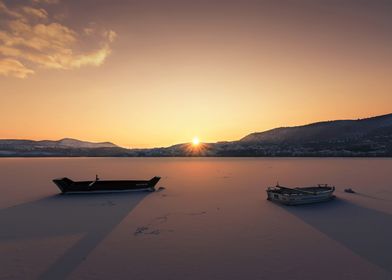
(94, 216)
(366, 232)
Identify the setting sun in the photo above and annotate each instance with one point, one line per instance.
(195, 141)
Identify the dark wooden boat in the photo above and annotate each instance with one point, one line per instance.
(66, 185)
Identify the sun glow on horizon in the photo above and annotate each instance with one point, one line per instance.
(195, 141)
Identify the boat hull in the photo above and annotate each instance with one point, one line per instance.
(68, 186)
(299, 196)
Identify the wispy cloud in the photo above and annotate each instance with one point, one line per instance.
(7, 12)
(46, 1)
(39, 13)
(32, 38)
(14, 68)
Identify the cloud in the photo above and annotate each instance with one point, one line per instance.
(4, 10)
(12, 67)
(46, 1)
(31, 38)
(94, 58)
(111, 35)
(39, 13)
(88, 31)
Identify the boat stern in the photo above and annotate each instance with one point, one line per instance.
(153, 182)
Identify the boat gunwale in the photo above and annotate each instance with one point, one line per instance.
(301, 191)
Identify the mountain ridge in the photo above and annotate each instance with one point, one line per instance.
(64, 142)
(340, 129)
(367, 137)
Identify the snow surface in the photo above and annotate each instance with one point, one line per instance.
(211, 221)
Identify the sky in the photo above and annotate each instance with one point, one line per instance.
(152, 73)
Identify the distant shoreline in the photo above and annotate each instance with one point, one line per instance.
(365, 157)
(370, 137)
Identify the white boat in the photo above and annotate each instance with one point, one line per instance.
(300, 195)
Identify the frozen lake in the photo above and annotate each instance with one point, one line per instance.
(212, 220)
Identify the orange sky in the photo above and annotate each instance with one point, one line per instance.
(156, 73)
